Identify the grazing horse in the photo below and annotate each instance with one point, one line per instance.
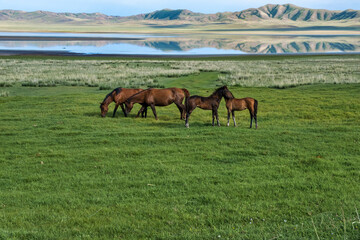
(235, 104)
(159, 97)
(119, 96)
(207, 103)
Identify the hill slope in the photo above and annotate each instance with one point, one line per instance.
(270, 11)
(295, 13)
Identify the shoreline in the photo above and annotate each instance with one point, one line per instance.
(4, 53)
(49, 38)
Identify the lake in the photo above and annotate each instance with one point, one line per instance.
(134, 44)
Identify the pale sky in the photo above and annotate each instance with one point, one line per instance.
(132, 7)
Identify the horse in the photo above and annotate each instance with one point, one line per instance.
(119, 96)
(159, 97)
(235, 104)
(207, 103)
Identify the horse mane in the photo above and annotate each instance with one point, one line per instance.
(217, 90)
(118, 90)
(232, 95)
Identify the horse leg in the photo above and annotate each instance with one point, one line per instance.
(187, 117)
(217, 117)
(144, 113)
(141, 111)
(213, 117)
(181, 108)
(251, 118)
(228, 118)
(255, 117)
(123, 109)
(154, 111)
(233, 116)
(115, 109)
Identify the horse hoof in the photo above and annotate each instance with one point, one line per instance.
(187, 125)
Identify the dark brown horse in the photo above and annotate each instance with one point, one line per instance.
(207, 103)
(119, 96)
(235, 104)
(159, 97)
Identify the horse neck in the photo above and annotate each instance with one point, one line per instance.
(109, 99)
(227, 99)
(216, 96)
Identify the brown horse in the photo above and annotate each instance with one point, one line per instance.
(119, 96)
(159, 97)
(207, 103)
(235, 104)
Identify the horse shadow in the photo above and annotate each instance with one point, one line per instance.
(92, 114)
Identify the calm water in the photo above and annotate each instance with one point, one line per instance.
(178, 45)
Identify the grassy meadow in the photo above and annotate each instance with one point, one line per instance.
(67, 173)
(109, 73)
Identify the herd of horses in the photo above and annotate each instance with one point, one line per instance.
(163, 97)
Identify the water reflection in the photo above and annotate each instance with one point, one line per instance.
(233, 44)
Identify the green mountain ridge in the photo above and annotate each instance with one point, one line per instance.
(267, 12)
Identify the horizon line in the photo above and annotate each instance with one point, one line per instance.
(172, 10)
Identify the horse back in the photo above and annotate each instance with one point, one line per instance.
(243, 103)
(201, 102)
(125, 93)
(161, 97)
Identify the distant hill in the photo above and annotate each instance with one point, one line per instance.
(295, 13)
(270, 11)
(51, 17)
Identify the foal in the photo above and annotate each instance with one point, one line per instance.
(234, 104)
(207, 103)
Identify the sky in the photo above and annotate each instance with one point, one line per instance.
(133, 7)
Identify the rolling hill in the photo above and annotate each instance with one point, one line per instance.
(267, 12)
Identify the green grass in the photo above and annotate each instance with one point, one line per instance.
(67, 173)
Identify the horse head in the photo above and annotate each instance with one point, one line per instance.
(104, 109)
(226, 93)
(128, 106)
(223, 92)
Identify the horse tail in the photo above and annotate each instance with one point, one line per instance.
(255, 107)
(187, 94)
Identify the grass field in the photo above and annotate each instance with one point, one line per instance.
(67, 173)
(108, 73)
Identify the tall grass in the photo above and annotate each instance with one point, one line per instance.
(4, 93)
(108, 74)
